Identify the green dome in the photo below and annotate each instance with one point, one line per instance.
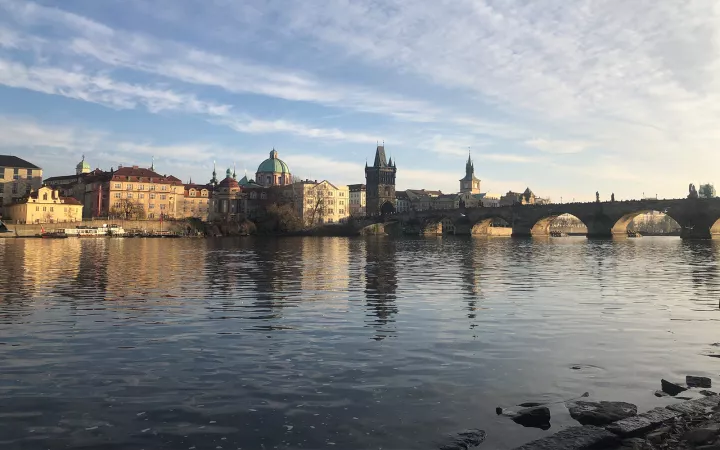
(273, 164)
(83, 164)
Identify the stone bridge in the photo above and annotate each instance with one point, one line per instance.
(698, 218)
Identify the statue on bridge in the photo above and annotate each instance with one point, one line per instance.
(693, 193)
(597, 197)
(612, 197)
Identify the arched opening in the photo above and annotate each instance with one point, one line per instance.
(560, 225)
(494, 226)
(647, 223)
(387, 208)
(715, 230)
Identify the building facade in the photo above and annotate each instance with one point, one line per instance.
(358, 198)
(17, 179)
(134, 192)
(380, 182)
(469, 184)
(45, 205)
(273, 172)
(319, 202)
(196, 201)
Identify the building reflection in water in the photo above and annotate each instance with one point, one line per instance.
(470, 269)
(702, 259)
(381, 285)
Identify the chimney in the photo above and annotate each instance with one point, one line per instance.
(136, 167)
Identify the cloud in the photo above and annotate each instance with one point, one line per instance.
(557, 146)
(282, 126)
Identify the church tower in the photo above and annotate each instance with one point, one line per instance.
(469, 184)
(380, 184)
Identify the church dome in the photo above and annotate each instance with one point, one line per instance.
(229, 183)
(82, 166)
(273, 164)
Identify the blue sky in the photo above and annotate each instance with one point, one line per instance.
(567, 98)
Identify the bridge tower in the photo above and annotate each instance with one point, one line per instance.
(470, 184)
(380, 182)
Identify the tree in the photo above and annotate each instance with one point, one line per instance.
(127, 209)
(316, 201)
(281, 218)
(706, 191)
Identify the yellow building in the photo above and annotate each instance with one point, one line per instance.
(137, 193)
(45, 206)
(17, 178)
(319, 202)
(196, 201)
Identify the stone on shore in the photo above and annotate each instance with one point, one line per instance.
(701, 382)
(574, 438)
(642, 423)
(672, 388)
(538, 417)
(465, 440)
(700, 436)
(661, 394)
(600, 413)
(698, 406)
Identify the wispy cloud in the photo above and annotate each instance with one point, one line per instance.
(557, 146)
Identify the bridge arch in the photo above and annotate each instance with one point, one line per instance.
(647, 221)
(491, 226)
(560, 223)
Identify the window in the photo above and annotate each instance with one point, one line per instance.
(14, 188)
(29, 173)
(330, 193)
(152, 196)
(162, 206)
(44, 208)
(330, 220)
(37, 208)
(51, 209)
(129, 195)
(204, 193)
(263, 195)
(129, 187)
(2, 173)
(118, 185)
(164, 187)
(342, 211)
(341, 202)
(141, 187)
(152, 206)
(117, 195)
(141, 195)
(192, 192)
(45, 196)
(16, 173)
(330, 211)
(163, 196)
(253, 195)
(151, 216)
(342, 194)
(152, 187)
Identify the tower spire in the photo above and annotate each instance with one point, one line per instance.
(152, 164)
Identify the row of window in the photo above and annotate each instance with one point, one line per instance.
(16, 173)
(141, 195)
(141, 187)
(150, 206)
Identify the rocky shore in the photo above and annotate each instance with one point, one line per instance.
(691, 424)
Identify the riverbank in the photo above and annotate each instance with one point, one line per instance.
(691, 424)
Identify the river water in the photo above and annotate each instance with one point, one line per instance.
(310, 343)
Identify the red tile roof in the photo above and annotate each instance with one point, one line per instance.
(140, 174)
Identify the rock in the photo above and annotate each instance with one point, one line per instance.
(574, 438)
(701, 382)
(661, 394)
(658, 436)
(642, 423)
(600, 413)
(465, 440)
(700, 436)
(707, 393)
(672, 388)
(708, 447)
(538, 417)
(530, 404)
(498, 410)
(693, 407)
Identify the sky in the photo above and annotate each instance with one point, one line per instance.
(567, 98)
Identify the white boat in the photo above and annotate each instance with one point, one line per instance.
(83, 231)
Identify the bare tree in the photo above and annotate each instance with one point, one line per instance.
(316, 202)
(127, 209)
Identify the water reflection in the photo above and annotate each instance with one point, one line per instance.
(381, 285)
(283, 343)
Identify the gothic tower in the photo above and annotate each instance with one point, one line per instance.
(469, 184)
(380, 181)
